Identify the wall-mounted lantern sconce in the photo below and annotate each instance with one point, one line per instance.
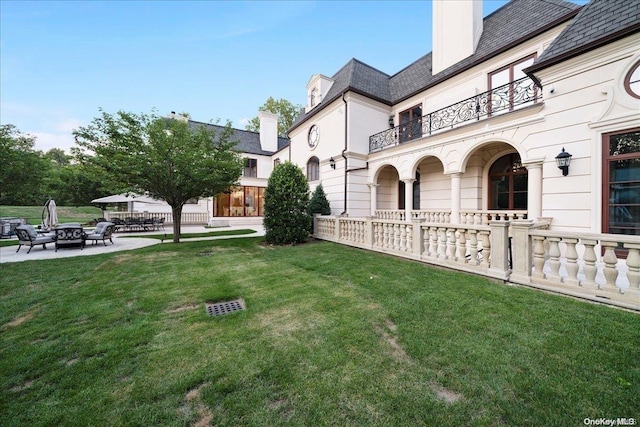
(332, 163)
(391, 123)
(563, 160)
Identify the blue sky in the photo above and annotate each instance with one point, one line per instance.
(62, 61)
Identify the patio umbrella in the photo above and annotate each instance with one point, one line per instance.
(49, 214)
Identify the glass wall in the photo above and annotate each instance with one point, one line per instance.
(240, 201)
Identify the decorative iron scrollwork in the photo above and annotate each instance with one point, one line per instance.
(502, 99)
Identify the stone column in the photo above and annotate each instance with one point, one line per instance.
(455, 198)
(408, 198)
(499, 249)
(534, 190)
(374, 198)
(522, 251)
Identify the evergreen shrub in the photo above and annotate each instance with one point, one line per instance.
(286, 200)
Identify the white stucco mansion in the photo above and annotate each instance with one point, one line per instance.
(512, 150)
(433, 162)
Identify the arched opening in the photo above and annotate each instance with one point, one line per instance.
(387, 194)
(508, 183)
(416, 193)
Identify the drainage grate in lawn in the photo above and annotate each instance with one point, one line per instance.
(220, 308)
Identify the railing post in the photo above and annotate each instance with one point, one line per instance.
(417, 237)
(336, 235)
(499, 249)
(368, 232)
(315, 223)
(521, 251)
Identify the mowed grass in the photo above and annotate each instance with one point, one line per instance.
(331, 335)
(33, 214)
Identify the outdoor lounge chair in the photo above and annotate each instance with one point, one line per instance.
(27, 235)
(70, 235)
(103, 231)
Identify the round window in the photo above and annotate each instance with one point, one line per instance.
(632, 81)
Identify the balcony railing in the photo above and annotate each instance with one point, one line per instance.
(491, 103)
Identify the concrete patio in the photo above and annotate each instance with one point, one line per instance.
(122, 242)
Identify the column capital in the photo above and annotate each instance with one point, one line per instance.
(533, 163)
(373, 185)
(454, 174)
(409, 180)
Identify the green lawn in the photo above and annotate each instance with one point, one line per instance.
(331, 336)
(33, 214)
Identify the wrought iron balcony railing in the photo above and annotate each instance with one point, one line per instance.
(497, 101)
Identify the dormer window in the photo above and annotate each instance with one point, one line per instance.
(317, 89)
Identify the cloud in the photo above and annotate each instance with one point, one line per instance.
(68, 125)
(45, 141)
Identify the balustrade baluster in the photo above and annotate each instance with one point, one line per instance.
(473, 247)
(590, 269)
(485, 237)
(403, 238)
(396, 237)
(451, 244)
(572, 262)
(386, 236)
(461, 247)
(554, 259)
(409, 245)
(633, 264)
(433, 242)
(610, 270)
(442, 243)
(425, 241)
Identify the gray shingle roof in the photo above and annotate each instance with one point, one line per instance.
(598, 23)
(248, 142)
(501, 30)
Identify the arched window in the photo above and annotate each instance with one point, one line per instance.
(508, 183)
(313, 169)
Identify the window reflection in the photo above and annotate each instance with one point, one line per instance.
(240, 202)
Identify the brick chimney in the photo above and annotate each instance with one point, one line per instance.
(268, 131)
(457, 27)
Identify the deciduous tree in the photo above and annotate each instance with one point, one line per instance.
(170, 159)
(22, 169)
(286, 111)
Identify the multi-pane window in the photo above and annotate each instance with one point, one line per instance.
(507, 89)
(240, 201)
(313, 169)
(250, 168)
(621, 182)
(314, 96)
(276, 162)
(411, 124)
(508, 183)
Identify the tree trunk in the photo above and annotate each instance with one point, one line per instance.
(177, 221)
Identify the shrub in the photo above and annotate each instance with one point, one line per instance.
(319, 203)
(285, 206)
